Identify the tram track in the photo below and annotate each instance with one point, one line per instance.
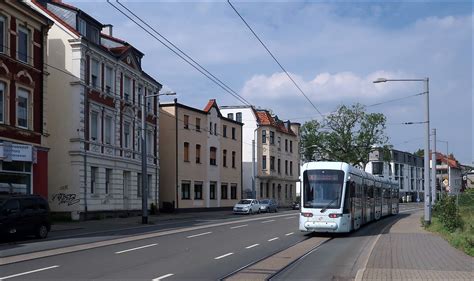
(278, 261)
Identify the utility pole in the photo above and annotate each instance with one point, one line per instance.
(433, 170)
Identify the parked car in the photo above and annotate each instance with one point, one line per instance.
(24, 215)
(295, 205)
(247, 206)
(268, 205)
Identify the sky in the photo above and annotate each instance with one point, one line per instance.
(334, 50)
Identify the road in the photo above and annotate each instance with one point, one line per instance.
(205, 252)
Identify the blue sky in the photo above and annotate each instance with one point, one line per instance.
(333, 49)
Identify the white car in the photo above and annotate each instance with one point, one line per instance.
(247, 206)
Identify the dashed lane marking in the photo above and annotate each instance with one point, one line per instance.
(239, 226)
(223, 256)
(273, 239)
(288, 234)
(163, 277)
(251, 246)
(137, 248)
(28, 272)
(200, 234)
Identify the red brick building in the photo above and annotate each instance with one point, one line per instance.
(23, 134)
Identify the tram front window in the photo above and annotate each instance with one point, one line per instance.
(322, 188)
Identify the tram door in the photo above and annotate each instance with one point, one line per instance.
(364, 203)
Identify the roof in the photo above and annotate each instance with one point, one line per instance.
(452, 162)
(264, 118)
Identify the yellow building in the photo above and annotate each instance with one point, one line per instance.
(200, 157)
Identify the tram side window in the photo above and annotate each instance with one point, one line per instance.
(348, 198)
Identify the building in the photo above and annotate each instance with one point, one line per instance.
(274, 144)
(23, 99)
(201, 156)
(449, 174)
(403, 167)
(95, 86)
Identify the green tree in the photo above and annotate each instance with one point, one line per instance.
(347, 135)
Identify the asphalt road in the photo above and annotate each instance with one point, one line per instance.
(206, 252)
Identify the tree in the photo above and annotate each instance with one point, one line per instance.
(347, 135)
(420, 152)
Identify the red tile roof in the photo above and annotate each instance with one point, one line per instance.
(452, 162)
(264, 118)
(210, 104)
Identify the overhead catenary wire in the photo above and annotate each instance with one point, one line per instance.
(275, 59)
(223, 86)
(397, 99)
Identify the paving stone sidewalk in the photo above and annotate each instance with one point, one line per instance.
(408, 252)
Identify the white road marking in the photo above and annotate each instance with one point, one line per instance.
(200, 234)
(223, 256)
(288, 234)
(269, 240)
(251, 246)
(163, 277)
(28, 272)
(239, 226)
(137, 248)
(267, 221)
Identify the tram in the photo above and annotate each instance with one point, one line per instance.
(337, 197)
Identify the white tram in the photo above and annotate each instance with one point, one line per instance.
(336, 197)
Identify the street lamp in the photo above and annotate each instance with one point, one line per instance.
(144, 156)
(427, 205)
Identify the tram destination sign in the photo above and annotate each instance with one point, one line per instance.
(16, 152)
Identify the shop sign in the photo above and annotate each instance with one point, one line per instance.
(16, 152)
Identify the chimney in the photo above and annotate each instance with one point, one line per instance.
(107, 29)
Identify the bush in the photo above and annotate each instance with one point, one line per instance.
(448, 213)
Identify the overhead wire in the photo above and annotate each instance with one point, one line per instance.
(223, 86)
(275, 59)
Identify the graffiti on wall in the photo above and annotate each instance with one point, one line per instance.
(66, 198)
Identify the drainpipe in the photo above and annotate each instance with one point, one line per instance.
(176, 149)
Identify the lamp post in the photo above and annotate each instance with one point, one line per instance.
(427, 205)
(144, 155)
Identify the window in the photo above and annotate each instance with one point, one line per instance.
(139, 185)
(108, 180)
(95, 77)
(230, 116)
(264, 136)
(215, 129)
(286, 191)
(186, 152)
(23, 44)
(377, 168)
(185, 190)
(261, 190)
(272, 137)
(2, 100)
(186, 121)
(291, 146)
(22, 108)
(140, 95)
(291, 168)
(108, 130)
(224, 191)
(233, 159)
(198, 124)
(212, 190)
(291, 191)
(213, 156)
(149, 142)
(198, 191)
(279, 165)
(126, 135)
(264, 162)
(127, 85)
(82, 27)
(272, 163)
(198, 153)
(149, 105)
(233, 191)
(224, 131)
(109, 74)
(279, 143)
(210, 128)
(224, 158)
(139, 137)
(286, 167)
(94, 126)
(92, 34)
(286, 145)
(238, 117)
(233, 133)
(94, 171)
(3, 34)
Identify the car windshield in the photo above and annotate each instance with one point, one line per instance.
(264, 201)
(245, 202)
(322, 188)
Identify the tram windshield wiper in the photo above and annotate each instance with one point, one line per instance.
(327, 206)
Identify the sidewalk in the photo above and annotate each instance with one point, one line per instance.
(407, 252)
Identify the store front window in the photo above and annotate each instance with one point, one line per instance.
(15, 177)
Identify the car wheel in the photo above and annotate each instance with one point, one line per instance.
(250, 212)
(259, 211)
(42, 231)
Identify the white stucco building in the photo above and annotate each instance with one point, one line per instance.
(94, 92)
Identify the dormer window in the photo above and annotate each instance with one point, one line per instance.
(82, 27)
